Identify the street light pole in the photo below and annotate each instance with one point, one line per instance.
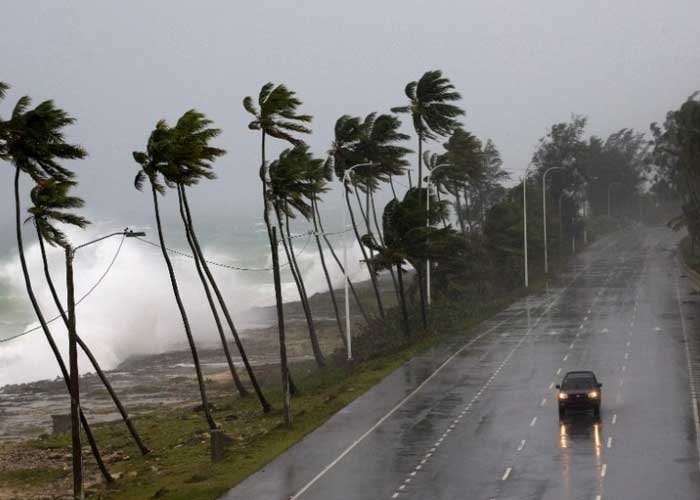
(427, 224)
(527, 171)
(74, 372)
(544, 214)
(346, 179)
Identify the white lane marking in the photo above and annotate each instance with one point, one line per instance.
(631, 324)
(558, 371)
(543, 402)
(657, 329)
(621, 382)
(532, 422)
(395, 495)
(521, 445)
(566, 356)
(585, 318)
(506, 473)
(589, 311)
(403, 402)
(603, 470)
(580, 327)
(402, 487)
(624, 368)
(614, 419)
(571, 346)
(691, 375)
(628, 343)
(609, 444)
(604, 330)
(551, 386)
(598, 497)
(627, 355)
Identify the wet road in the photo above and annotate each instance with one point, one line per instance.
(479, 420)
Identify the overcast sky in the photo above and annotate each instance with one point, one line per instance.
(120, 66)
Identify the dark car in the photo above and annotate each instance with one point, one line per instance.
(580, 390)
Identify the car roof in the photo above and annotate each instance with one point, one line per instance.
(580, 374)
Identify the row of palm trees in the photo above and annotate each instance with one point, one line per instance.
(178, 157)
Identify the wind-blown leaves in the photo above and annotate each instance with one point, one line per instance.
(51, 201)
(276, 114)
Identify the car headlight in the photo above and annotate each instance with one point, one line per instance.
(593, 394)
(563, 395)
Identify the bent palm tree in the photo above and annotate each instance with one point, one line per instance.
(152, 161)
(50, 202)
(33, 142)
(276, 115)
(190, 162)
(429, 106)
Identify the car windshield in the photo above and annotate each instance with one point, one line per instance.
(578, 381)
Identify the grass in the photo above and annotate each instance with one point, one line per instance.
(691, 259)
(180, 467)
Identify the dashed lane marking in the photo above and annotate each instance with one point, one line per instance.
(543, 402)
(521, 445)
(532, 422)
(614, 418)
(609, 443)
(603, 470)
(506, 473)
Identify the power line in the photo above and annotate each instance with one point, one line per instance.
(92, 289)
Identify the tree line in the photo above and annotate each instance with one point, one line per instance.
(457, 220)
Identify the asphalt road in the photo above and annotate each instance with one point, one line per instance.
(476, 418)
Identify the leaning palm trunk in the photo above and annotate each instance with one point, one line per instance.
(222, 303)
(284, 364)
(421, 294)
(331, 291)
(315, 347)
(372, 275)
(183, 314)
(47, 333)
(242, 391)
(402, 301)
(83, 346)
(460, 214)
(340, 265)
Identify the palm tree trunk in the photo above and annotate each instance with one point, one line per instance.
(444, 221)
(391, 183)
(340, 265)
(183, 314)
(83, 346)
(402, 301)
(421, 294)
(287, 383)
(315, 347)
(381, 240)
(331, 291)
(420, 160)
(460, 214)
(372, 275)
(266, 407)
(284, 365)
(74, 380)
(47, 333)
(242, 391)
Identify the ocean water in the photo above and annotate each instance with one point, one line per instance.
(133, 311)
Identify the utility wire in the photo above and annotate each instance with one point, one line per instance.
(85, 295)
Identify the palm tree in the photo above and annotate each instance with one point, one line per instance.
(463, 153)
(343, 155)
(151, 163)
(50, 202)
(276, 115)
(33, 142)
(429, 105)
(297, 179)
(190, 162)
